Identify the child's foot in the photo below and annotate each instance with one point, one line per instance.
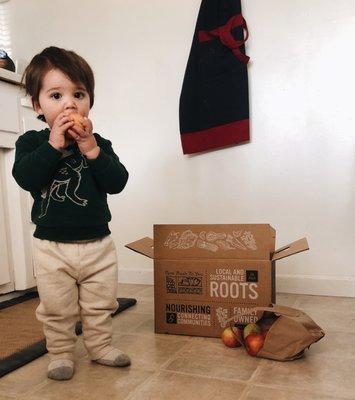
(60, 370)
(115, 358)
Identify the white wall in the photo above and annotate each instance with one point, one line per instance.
(297, 173)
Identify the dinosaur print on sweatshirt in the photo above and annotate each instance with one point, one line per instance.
(66, 184)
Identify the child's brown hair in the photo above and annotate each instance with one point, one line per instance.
(67, 61)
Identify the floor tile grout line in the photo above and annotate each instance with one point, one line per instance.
(296, 389)
(33, 389)
(203, 376)
(245, 392)
(10, 397)
(250, 381)
(142, 385)
(156, 372)
(257, 370)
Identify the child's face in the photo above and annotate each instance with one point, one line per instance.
(58, 94)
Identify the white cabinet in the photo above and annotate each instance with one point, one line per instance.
(5, 264)
(16, 267)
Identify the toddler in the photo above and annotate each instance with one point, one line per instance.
(69, 170)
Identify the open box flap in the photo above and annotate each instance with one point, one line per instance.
(293, 248)
(143, 246)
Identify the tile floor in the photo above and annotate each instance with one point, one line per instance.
(181, 367)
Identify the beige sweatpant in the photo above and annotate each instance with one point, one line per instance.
(76, 281)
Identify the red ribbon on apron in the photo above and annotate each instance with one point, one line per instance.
(224, 33)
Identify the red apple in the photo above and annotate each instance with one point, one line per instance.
(78, 122)
(232, 337)
(254, 343)
(251, 328)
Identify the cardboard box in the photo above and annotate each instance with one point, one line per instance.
(209, 276)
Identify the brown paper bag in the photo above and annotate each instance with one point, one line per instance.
(291, 332)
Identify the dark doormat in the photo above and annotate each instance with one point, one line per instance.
(21, 335)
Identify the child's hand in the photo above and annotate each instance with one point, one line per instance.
(85, 138)
(57, 136)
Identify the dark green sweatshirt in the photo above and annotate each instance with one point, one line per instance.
(69, 190)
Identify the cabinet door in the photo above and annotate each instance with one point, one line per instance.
(9, 121)
(29, 121)
(5, 276)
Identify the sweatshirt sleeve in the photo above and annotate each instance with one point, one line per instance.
(109, 173)
(35, 163)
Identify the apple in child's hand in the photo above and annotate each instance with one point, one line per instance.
(77, 119)
(254, 343)
(78, 122)
(232, 337)
(251, 328)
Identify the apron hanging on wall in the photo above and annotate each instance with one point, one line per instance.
(214, 103)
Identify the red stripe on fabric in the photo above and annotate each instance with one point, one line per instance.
(216, 137)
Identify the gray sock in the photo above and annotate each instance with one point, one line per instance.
(115, 358)
(60, 370)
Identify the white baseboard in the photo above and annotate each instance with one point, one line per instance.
(321, 285)
(137, 276)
